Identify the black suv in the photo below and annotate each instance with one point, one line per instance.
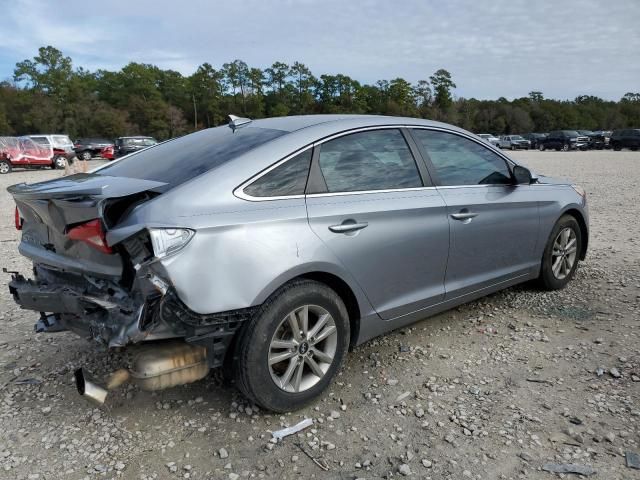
(535, 138)
(127, 145)
(564, 140)
(626, 138)
(597, 140)
(87, 148)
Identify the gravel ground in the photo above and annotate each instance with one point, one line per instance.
(495, 389)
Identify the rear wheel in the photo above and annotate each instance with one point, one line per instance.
(5, 167)
(561, 255)
(86, 155)
(291, 349)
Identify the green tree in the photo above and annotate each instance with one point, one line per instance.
(442, 85)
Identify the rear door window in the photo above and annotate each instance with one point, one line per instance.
(289, 178)
(40, 140)
(187, 157)
(371, 160)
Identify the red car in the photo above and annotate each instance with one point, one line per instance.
(24, 152)
(107, 152)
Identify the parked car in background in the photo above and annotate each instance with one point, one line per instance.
(108, 152)
(87, 148)
(493, 140)
(564, 140)
(126, 145)
(625, 138)
(25, 153)
(514, 142)
(535, 138)
(61, 145)
(272, 246)
(597, 141)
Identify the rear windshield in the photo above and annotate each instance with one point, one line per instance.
(187, 157)
(145, 142)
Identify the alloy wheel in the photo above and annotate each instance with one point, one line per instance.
(60, 162)
(302, 348)
(4, 167)
(564, 253)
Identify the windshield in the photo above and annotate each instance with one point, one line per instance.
(61, 140)
(570, 133)
(187, 157)
(144, 142)
(516, 137)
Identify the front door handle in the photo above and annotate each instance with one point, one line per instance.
(463, 215)
(347, 227)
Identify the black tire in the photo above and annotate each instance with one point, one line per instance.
(252, 372)
(565, 147)
(541, 147)
(5, 166)
(86, 156)
(617, 147)
(58, 162)
(547, 278)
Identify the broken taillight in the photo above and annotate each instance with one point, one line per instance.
(92, 234)
(18, 220)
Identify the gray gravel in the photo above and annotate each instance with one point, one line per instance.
(495, 389)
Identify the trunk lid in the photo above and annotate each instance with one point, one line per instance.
(50, 209)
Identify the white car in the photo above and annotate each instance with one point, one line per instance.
(487, 137)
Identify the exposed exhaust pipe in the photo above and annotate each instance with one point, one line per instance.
(158, 366)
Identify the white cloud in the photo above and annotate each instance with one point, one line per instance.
(505, 48)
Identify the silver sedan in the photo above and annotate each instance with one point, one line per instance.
(270, 247)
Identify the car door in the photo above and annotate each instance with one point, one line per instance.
(374, 208)
(39, 150)
(494, 223)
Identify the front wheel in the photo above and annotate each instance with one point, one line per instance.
(86, 156)
(291, 349)
(59, 162)
(565, 147)
(5, 167)
(561, 254)
(541, 147)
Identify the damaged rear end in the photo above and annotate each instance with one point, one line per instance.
(115, 294)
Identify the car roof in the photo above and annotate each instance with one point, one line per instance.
(298, 122)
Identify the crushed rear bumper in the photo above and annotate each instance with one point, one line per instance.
(103, 311)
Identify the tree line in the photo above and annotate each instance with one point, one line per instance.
(48, 95)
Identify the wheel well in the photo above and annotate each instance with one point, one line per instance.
(583, 230)
(346, 294)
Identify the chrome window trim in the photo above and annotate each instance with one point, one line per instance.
(238, 191)
(365, 192)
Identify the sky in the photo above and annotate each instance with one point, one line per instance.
(499, 48)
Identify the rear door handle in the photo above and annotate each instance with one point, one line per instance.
(463, 215)
(348, 227)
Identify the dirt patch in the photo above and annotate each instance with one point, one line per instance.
(495, 389)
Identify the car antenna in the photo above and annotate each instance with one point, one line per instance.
(237, 122)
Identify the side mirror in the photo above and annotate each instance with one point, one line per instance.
(522, 175)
